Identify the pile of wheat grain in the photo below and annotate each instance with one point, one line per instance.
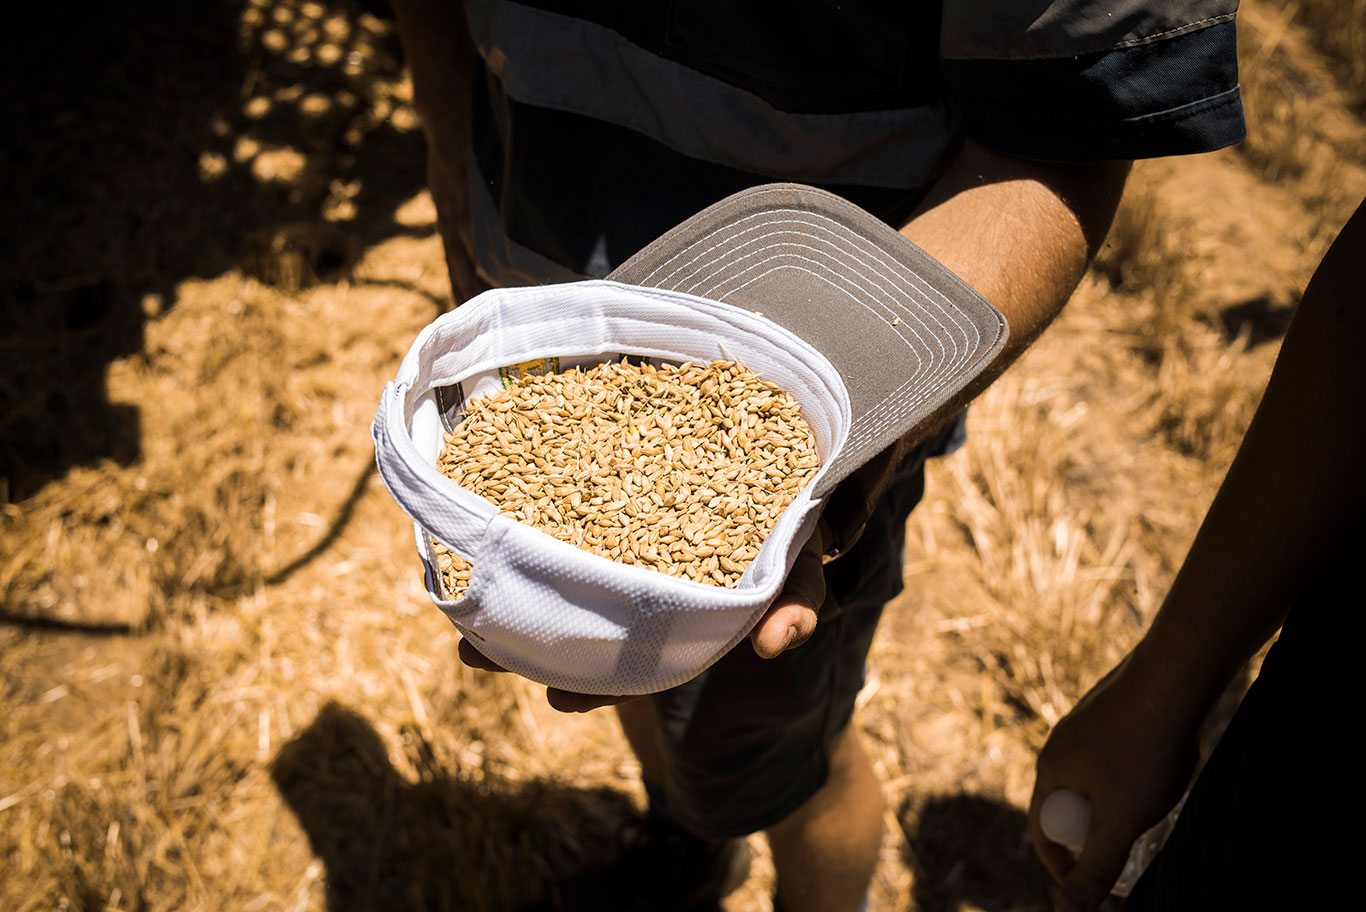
(681, 469)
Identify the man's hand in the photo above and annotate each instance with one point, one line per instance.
(565, 701)
(1131, 757)
(791, 619)
(788, 623)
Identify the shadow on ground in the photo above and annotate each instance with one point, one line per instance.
(967, 851)
(1263, 319)
(153, 141)
(462, 840)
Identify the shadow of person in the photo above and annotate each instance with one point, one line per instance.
(156, 141)
(456, 840)
(970, 850)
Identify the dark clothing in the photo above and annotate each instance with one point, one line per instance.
(1260, 828)
(746, 741)
(598, 126)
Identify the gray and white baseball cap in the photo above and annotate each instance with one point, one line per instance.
(870, 334)
(904, 333)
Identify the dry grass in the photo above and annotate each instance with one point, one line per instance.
(1338, 28)
(223, 686)
(1301, 127)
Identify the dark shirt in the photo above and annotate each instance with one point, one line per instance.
(599, 125)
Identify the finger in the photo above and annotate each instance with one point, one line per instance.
(566, 701)
(476, 659)
(1056, 858)
(1094, 874)
(783, 627)
(791, 619)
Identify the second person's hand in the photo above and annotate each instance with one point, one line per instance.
(1130, 755)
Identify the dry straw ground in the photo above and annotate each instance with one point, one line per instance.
(223, 687)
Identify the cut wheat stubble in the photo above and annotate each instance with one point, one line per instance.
(680, 469)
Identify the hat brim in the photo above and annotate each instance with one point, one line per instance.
(904, 332)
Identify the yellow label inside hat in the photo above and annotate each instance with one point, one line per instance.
(534, 368)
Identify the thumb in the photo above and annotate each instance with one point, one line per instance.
(1092, 877)
(791, 619)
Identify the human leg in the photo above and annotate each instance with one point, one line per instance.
(825, 852)
(641, 728)
(766, 744)
(706, 869)
(441, 59)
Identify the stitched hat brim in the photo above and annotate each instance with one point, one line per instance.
(905, 333)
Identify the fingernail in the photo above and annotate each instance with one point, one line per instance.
(791, 636)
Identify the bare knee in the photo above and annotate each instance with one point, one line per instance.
(825, 852)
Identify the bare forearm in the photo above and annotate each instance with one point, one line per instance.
(1293, 494)
(441, 58)
(1019, 232)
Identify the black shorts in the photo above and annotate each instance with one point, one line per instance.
(747, 742)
